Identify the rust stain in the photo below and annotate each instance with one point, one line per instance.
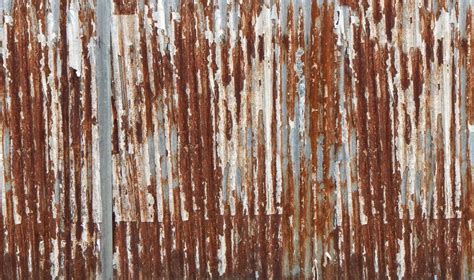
(248, 139)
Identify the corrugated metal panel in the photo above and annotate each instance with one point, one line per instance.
(49, 182)
(247, 139)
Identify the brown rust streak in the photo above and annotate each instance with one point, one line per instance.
(125, 7)
(467, 203)
(314, 81)
(86, 128)
(287, 58)
(363, 152)
(305, 180)
(3, 135)
(18, 66)
(331, 130)
(440, 243)
(65, 231)
(185, 125)
(35, 166)
(375, 155)
(73, 111)
(275, 245)
(149, 231)
(386, 163)
(45, 188)
(239, 265)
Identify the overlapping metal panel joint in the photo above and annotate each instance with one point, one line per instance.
(273, 139)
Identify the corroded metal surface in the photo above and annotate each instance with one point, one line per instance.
(50, 193)
(246, 139)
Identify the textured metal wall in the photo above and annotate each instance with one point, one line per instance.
(239, 139)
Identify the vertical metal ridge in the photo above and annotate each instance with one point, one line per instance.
(105, 129)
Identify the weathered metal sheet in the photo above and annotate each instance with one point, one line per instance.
(237, 139)
(49, 188)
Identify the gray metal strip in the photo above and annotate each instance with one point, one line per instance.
(105, 129)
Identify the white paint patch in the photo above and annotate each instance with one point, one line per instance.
(221, 255)
(74, 39)
(401, 259)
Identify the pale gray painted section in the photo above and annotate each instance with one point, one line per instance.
(104, 91)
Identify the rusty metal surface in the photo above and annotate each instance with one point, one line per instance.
(237, 139)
